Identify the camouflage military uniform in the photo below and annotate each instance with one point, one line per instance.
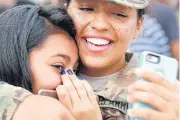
(10, 97)
(113, 95)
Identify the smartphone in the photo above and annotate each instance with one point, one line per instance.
(162, 65)
(50, 93)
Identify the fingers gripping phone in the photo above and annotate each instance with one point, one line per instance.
(162, 65)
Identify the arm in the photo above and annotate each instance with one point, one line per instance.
(19, 104)
(37, 107)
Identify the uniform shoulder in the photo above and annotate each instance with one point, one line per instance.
(10, 97)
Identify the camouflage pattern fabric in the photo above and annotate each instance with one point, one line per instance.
(113, 97)
(139, 4)
(111, 114)
(112, 110)
(10, 97)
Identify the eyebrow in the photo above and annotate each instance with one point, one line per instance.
(63, 56)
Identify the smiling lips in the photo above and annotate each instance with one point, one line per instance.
(97, 44)
(97, 41)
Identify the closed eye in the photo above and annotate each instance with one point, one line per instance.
(120, 14)
(60, 67)
(86, 9)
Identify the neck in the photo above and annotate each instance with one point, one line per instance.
(100, 72)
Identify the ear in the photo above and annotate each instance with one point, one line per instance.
(139, 27)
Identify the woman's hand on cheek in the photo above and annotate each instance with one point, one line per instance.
(79, 97)
(158, 93)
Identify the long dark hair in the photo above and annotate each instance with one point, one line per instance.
(21, 29)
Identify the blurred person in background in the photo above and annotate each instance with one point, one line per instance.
(170, 3)
(45, 2)
(7, 3)
(12, 3)
(174, 4)
(160, 32)
(41, 2)
(55, 2)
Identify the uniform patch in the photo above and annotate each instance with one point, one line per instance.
(118, 105)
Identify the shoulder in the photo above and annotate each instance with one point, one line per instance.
(15, 92)
(10, 98)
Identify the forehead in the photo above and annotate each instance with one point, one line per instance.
(59, 41)
(60, 38)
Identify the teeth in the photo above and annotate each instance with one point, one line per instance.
(91, 45)
(97, 41)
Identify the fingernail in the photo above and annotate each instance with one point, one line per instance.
(129, 111)
(80, 78)
(70, 72)
(63, 72)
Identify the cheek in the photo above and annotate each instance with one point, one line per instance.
(76, 16)
(45, 77)
(80, 23)
(125, 32)
(80, 20)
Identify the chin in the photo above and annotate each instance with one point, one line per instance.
(95, 62)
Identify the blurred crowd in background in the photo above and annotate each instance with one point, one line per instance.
(161, 27)
(171, 3)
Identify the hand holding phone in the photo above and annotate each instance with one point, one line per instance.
(155, 88)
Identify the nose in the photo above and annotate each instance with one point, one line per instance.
(100, 23)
